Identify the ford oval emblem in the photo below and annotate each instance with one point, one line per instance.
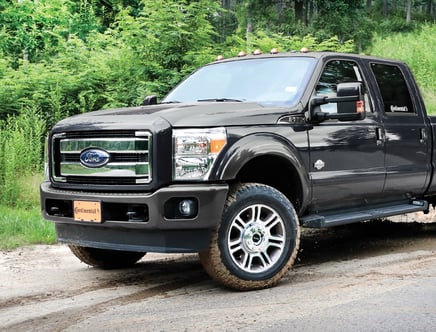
(94, 158)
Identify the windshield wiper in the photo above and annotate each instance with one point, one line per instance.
(221, 100)
(171, 102)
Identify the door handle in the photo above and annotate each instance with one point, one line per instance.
(423, 136)
(380, 136)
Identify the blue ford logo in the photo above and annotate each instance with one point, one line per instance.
(94, 158)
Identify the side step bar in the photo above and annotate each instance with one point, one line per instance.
(348, 217)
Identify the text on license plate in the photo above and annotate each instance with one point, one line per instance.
(87, 211)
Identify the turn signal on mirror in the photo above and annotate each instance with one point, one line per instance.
(360, 106)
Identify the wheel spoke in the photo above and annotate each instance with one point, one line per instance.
(276, 241)
(273, 220)
(266, 260)
(258, 209)
(239, 224)
(246, 261)
(235, 245)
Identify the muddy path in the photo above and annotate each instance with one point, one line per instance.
(373, 276)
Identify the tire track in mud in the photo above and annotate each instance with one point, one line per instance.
(56, 310)
(142, 273)
(61, 320)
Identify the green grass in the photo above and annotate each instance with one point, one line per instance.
(20, 227)
(21, 222)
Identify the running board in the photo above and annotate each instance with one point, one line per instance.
(347, 217)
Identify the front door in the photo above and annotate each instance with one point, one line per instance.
(346, 157)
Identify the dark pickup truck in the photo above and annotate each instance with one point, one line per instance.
(239, 156)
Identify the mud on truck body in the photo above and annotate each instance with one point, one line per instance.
(237, 158)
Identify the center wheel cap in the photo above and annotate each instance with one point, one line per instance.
(255, 238)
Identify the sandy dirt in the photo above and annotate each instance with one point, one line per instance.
(378, 276)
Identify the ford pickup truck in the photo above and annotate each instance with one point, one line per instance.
(237, 158)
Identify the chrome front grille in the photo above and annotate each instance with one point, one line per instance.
(128, 158)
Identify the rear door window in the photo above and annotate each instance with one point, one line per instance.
(393, 89)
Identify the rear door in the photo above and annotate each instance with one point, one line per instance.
(407, 133)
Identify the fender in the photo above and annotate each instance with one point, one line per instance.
(264, 144)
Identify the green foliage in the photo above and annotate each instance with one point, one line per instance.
(267, 41)
(20, 154)
(30, 28)
(344, 19)
(166, 42)
(37, 30)
(418, 52)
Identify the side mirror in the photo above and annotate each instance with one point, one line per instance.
(149, 100)
(353, 90)
(349, 100)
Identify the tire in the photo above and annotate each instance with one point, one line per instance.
(257, 241)
(105, 258)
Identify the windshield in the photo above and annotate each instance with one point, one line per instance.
(268, 81)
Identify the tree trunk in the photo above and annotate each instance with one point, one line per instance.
(430, 7)
(313, 12)
(409, 11)
(394, 6)
(368, 5)
(385, 8)
(225, 4)
(299, 10)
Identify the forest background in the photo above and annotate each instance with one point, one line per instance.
(61, 57)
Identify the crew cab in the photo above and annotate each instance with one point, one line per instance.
(237, 158)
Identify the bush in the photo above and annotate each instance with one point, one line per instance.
(21, 153)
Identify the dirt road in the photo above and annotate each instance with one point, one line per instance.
(365, 277)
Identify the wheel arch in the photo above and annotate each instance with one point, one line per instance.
(268, 159)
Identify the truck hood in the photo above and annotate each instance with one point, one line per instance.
(202, 114)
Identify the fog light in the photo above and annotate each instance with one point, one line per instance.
(179, 208)
(188, 208)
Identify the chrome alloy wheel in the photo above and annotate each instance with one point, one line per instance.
(256, 239)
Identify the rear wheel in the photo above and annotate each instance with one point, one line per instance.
(105, 258)
(257, 240)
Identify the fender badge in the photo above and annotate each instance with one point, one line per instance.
(319, 164)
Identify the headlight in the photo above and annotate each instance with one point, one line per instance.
(195, 151)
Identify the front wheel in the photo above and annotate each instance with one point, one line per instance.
(105, 258)
(257, 240)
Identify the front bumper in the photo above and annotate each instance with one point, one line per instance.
(157, 230)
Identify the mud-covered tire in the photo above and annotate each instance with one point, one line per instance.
(105, 258)
(257, 241)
